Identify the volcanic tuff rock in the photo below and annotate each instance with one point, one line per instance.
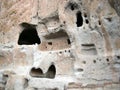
(60, 45)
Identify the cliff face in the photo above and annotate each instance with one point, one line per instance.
(59, 45)
(116, 5)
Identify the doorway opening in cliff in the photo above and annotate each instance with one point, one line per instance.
(36, 72)
(68, 40)
(29, 35)
(56, 41)
(51, 72)
(79, 18)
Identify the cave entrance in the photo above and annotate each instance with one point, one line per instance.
(56, 41)
(79, 21)
(37, 72)
(51, 72)
(29, 35)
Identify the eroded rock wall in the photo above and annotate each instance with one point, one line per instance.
(59, 45)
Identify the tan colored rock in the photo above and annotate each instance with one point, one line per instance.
(60, 44)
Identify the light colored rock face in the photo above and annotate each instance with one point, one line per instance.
(59, 45)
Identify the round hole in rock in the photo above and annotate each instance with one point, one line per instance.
(60, 52)
(79, 21)
(51, 72)
(68, 40)
(107, 60)
(109, 19)
(36, 72)
(65, 51)
(64, 22)
(86, 21)
(69, 51)
(79, 69)
(99, 22)
(84, 62)
(85, 15)
(73, 6)
(94, 61)
(29, 35)
(118, 57)
(49, 43)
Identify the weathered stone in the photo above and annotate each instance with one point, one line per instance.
(60, 44)
(116, 5)
(16, 83)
